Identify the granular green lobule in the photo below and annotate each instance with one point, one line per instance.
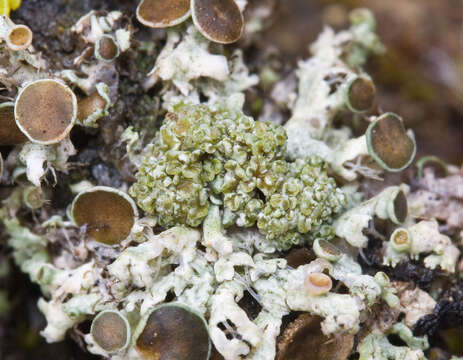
(204, 155)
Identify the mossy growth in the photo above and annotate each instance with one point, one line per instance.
(204, 155)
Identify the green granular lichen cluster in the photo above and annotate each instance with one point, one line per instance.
(204, 156)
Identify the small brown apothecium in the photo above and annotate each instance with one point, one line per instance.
(45, 111)
(389, 144)
(174, 332)
(19, 37)
(218, 20)
(110, 330)
(162, 13)
(108, 214)
(10, 134)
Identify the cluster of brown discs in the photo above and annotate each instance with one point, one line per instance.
(167, 332)
(220, 21)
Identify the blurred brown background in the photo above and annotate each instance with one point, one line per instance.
(421, 75)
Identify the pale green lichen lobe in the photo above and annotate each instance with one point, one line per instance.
(204, 154)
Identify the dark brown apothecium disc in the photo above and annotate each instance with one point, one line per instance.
(45, 111)
(106, 49)
(215, 355)
(107, 213)
(174, 332)
(400, 207)
(89, 105)
(9, 131)
(326, 250)
(299, 256)
(361, 94)
(110, 330)
(303, 340)
(220, 21)
(389, 144)
(163, 13)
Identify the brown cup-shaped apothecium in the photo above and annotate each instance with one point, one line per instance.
(439, 166)
(45, 111)
(303, 339)
(91, 105)
(162, 13)
(399, 207)
(220, 21)
(318, 283)
(361, 94)
(10, 134)
(106, 48)
(107, 213)
(389, 144)
(19, 37)
(173, 331)
(111, 331)
(326, 250)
